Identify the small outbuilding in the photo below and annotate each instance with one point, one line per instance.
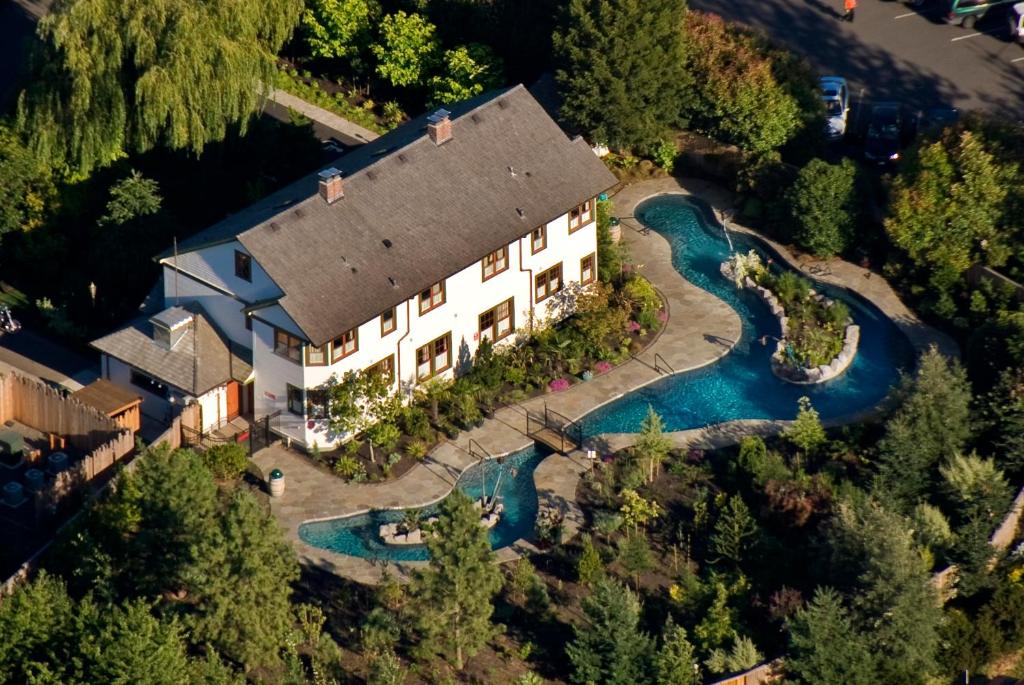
(116, 401)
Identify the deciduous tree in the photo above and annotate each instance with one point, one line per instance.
(467, 71)
(622, 69)
(406, 50)
(338, 28)
(120, 76)
(823, 206)
(132, 197)
(27, 192)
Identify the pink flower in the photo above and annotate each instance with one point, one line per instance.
(662, 315)
(558, 385)
(633, 326)
(602, 367)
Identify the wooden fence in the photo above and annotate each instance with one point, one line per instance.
(49, 411)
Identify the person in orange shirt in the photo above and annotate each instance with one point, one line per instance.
(849, 6)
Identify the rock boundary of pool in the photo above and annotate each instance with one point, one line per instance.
(800, 375)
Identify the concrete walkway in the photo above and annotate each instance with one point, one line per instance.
(700, 329)
(319, 114)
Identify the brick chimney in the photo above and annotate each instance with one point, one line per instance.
(331, 188)
(439, 126)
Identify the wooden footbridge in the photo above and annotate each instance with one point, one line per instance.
(555, 430)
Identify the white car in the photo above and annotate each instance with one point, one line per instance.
(836, 97)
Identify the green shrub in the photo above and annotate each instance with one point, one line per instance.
(226, 462)
(641, 294)
(762, 465)
(384, 434)
(350, 469)
(415, 422)
(823, 205)
(465, 410)
(417, 449)
(665, 153)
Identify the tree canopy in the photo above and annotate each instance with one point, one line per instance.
(622, 69)
(407, 49)
(338, 28)
(120, 76)
(27, 192)
(823, 206)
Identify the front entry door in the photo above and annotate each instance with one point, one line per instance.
(234, 390)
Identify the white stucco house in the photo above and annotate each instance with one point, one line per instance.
(400, 256)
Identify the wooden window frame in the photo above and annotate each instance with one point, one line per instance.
(483, 263)
(324, 354)
(494, 337)
(314, 409)
(544, 239)
(430, 297)
(585, 208)
(430, 347)
(335, 357)
(243, 266)
(387, 362)
(592, 258)
(384, 330)
(546, 275)
(289, 390)
(289, 340)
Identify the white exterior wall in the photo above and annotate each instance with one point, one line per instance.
(214, 403)
(206, 274)
(466, 297)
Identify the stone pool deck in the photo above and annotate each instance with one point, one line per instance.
(700, 329)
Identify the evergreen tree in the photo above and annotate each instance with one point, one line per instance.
(635, 556)
(717, 626)
(131, 646)
(622, 69)
(895, 604)
(931, 424)
(120, 76)
(735, 531)
(37, 622)
(454, 595)
(241, 599)
(651, 444)
(823, 205)
(609, 647)
(675, 663)
(741, 656)
(589, 566)
(824, 646)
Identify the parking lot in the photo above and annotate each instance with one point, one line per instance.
(896, 52)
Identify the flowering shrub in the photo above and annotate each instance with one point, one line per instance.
(558, 385)
(633, 326)
(743, 265)
(602, 367)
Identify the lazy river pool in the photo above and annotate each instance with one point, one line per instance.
(738, 386)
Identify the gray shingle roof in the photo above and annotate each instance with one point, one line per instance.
(441, 208)
(203, 359)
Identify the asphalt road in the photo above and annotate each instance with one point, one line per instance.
(894, 52)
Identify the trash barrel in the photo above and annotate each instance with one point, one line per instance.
(276, 483)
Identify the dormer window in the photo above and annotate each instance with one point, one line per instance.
(432, 298)
(243, 266)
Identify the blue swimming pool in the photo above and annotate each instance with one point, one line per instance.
(741, 385)
(738, 386)
(358, 535)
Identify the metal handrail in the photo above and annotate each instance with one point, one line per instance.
(484, 453)
(657, 366)
(563, 427)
